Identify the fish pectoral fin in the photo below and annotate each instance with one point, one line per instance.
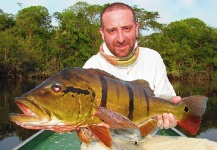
(114, 119)
(147, 127)
(84, 135)
(102, 133)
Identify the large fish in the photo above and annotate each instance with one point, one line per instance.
(90, 100)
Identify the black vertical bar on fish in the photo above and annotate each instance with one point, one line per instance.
(147, 102)
(104, 91)
(131, 102)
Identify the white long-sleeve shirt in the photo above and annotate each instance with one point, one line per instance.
(149, 66)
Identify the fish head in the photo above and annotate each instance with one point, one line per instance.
(61, 100)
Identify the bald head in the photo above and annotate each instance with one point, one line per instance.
(114, 7)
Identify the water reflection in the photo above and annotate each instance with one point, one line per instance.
(10, 89)
(11, 134)
(209, 121)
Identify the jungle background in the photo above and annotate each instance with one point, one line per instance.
(31, 47)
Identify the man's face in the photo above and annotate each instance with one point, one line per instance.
(119, 32)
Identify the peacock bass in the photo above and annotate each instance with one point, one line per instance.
(93, 101)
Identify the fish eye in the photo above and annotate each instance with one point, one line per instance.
(56, 87)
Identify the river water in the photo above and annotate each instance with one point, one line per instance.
(11, 135)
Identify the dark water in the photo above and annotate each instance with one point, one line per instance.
(11, 135)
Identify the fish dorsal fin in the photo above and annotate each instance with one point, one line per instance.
(101, 72)
(145, 85)
(147, 127)
(102, 133)
(142, 83)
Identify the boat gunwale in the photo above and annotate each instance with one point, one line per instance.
(28, 140)
(25, 142)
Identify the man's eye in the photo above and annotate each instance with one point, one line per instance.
(127, 29)
(111, 31)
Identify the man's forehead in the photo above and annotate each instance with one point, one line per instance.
(118, 11)
(117, 18)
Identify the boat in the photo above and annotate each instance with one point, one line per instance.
(50, 140)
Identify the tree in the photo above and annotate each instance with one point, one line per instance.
(187, 46)
(6, 21)
(33, 30)
(77, 40)
(7, 41)
(30, 44)
(147, 20)
(33, 20)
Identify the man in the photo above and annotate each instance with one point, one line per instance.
(120, 56)
(119, 31)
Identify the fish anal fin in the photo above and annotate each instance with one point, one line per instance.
(114, 119)
(84, 135)
(190, 124)
(148, 126)
(102, 133)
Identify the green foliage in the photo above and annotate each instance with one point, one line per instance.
(188, 48)
(31, 45)
(147, 20)
(6, 21)
(33, 20)
(78, 35)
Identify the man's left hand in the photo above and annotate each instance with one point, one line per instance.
(168, 120)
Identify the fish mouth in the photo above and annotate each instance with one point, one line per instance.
(32, 115)
(36, 117)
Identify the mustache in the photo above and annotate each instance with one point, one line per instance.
(121, 43)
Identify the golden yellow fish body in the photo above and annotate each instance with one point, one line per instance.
(77, 98)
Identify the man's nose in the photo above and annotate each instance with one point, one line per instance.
(120, 37)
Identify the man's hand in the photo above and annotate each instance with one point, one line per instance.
(168, 120)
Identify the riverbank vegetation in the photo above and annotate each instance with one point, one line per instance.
(32, 46)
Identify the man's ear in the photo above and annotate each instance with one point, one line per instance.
(137, 29)
(102, 33)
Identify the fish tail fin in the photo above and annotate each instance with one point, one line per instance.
(191, 124)
(194, 107)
